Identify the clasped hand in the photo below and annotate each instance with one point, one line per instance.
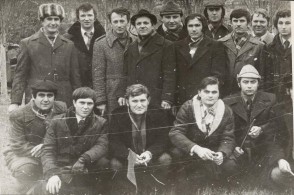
(207, 154)
(144, 158)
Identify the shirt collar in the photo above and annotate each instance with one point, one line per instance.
(55, 36)
(79, 118)
(245, 98)
(83, 31)
(283, 40)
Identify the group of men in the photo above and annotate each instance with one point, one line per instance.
(140, 86)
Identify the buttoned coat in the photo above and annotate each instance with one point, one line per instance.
(153, 67)
(61, 148)
(263, 155)
(250, 53)
(38, 60)
(27, 130)
(185, 133)
(120, 137)
(209, 60)
(84, 54)
(107, 69)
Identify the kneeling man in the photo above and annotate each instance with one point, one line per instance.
(203, 132)
(75, 144)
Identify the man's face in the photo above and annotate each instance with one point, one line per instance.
(119, 23)
(83, 107)
(194, 28)
(144, 26)
(240, 25)
(87, 19)
(138, 104)
(259, 24)
(214, 14)
(248, 86)
(209, 95)
(172, 22)
(284, 26)
(51, 24)
(44, 100)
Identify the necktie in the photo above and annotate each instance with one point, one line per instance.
(81, 126)
(89, 35)
(51, 38)
(249, 108)
(286, 44)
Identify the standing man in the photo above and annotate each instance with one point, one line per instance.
(28, 127)
(260, 21)
(75, 144)
(279, 65)
(46, 55)
(172, 25)
(241, 48)
(83, 33)
(255, 125)
(150, 61)
(215, 12)
(108, 60)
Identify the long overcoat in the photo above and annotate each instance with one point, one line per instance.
(63, 148)
(84, 54)
(38, 60)
(120, 137)
(250, 53)
(27, 130)
(153, 67)
(209, 60)
(107, 69)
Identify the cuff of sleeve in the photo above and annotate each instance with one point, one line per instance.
(51, 172)
(192, 149)
(85, 158)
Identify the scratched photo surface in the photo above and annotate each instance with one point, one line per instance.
(19, 19)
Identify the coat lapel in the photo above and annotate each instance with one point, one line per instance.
(201, 50)
(231, 46)
(246, 47)
(43, 40)
(184, 50)
(58, 42)
(238, 107)
(258, 105)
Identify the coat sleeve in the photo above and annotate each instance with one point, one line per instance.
(227, 138)
(169, 73)
(184, 121)
(49, 157)
(99, 64)
(100, 148)
(123, 82)
(17, 139)
(21, 73)
(75, 77)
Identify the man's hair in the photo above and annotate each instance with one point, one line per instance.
(262, 12)
(83, 93)
(281, 14)
(223, 12)
(136, 90)
(86, 7)
(208, 81)
(35, 91)
(200, 17)
(119, 11)
(238, 13)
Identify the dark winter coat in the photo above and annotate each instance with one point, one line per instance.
(38, 60)
(250, 53)
(120, 137)
(209, 60)
(84, 55)
(153, 67)
(62, 147)
(27, 131)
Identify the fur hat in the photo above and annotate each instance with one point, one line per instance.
(171, 8)
(248, 71)
(214, 3)
(142, 13)
(51, 9)
(45, 86)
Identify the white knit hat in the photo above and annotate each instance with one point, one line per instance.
(51, 9)
(248, 71)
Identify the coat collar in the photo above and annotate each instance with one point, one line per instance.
(278, 47)
(44, 41)
(111, 38)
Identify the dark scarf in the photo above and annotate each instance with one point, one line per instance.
(240, 40)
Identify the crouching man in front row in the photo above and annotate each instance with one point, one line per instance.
(143, 129)
(203, 133)
(75, 146)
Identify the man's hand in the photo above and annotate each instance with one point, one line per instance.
(79, 166)
(121, 101)
(238, 152)
(53, 185)
(204, 153)
(284, 166)
(101, 108)
(145, 157)
(165, 105)
(12, 107)
(218, 158)
(37, 151)
(254, 132)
